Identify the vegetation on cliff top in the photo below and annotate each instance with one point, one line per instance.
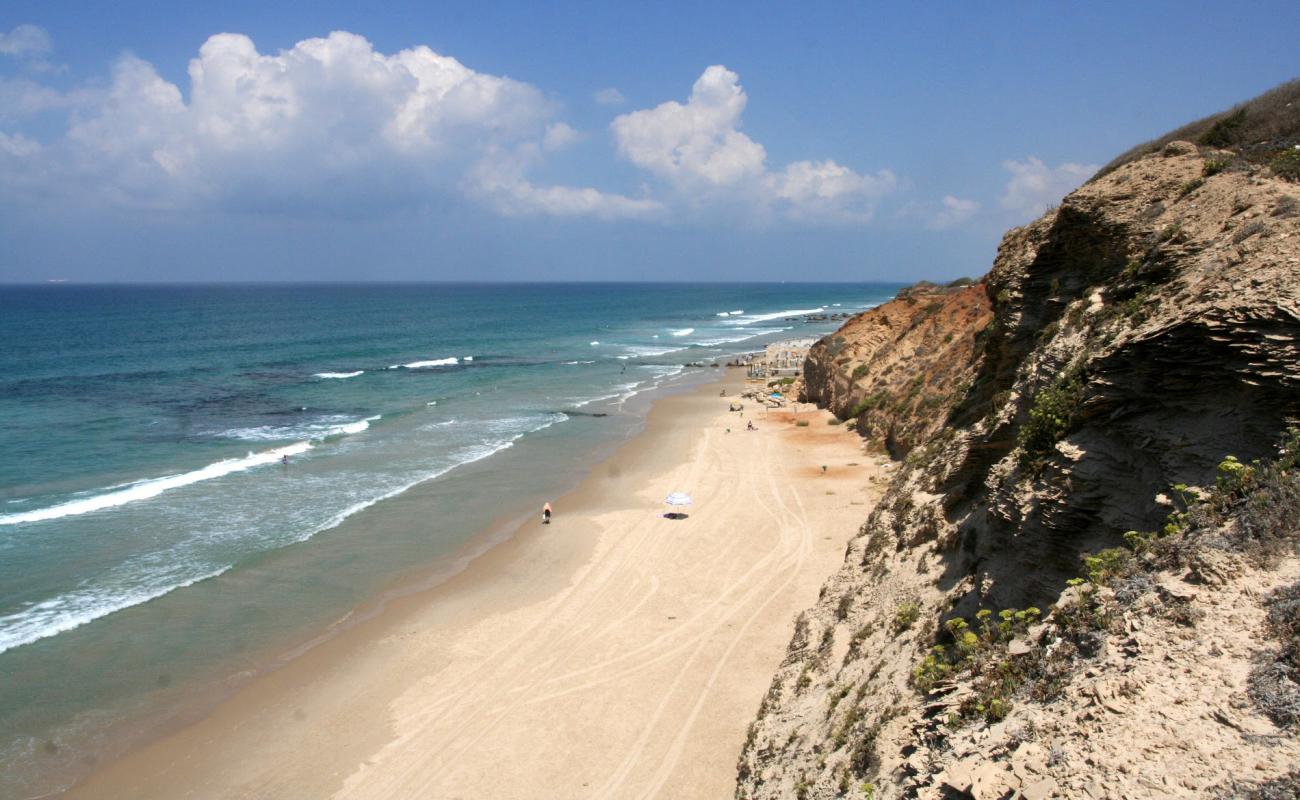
(1263, 130)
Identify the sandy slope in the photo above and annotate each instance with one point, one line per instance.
(613, 654)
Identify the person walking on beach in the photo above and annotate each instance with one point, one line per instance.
(546, 514)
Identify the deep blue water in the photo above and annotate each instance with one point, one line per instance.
(143, 432)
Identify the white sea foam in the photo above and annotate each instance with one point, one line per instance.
(354, 427)
(663, 370)
(579, 362)
(88, 603)
(468, 358)
(683, 332)
(74, 609)
(751, 333)
(595, 344)
(792, 312)
(339, 374)
(622, 358)
(651, 350)
(736, 313)
(590, 400)
(621, 393)
(436, 362)
(143, 490)
(323, 428)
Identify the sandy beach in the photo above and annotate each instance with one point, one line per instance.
(614, 653)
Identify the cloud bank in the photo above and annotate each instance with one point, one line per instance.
(329, 124)
(698, 151)
(1034, 187)
(333, 128)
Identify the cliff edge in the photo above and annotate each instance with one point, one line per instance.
(1082, 581)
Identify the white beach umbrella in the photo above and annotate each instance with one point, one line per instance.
(678, 499)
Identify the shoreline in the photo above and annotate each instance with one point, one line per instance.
(345, 696)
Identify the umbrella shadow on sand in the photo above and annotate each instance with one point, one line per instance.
(677, 500)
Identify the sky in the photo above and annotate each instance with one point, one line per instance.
(331, 141)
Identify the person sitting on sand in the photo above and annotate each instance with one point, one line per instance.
(751, 425)
(546, 514)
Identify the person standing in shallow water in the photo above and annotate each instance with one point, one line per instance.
(546, 514)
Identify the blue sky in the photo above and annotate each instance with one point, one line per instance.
(581, 141)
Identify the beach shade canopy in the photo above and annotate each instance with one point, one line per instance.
(678, 499)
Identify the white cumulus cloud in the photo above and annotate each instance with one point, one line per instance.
(1034, 187)
(699, 151)
(500, 181)
(559, 135)
(328, 124)
(956, 210)
(25, 41)
(609, 97)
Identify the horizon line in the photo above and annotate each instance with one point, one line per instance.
(52, 283)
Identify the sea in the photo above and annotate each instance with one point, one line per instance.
(198, 480)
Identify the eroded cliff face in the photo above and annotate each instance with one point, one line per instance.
(1123, 343)
(896, 369)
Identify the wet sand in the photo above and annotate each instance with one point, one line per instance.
(613, 653)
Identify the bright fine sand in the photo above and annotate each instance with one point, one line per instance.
(614, 653)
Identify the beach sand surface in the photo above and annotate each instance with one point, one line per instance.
(611, 654)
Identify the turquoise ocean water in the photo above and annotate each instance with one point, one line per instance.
(154, 546)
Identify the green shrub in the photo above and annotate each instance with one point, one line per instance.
(1108, 564)
(1213, 166)
(1189, 187)
(1286, 165)
(932, 670)
(875, 400)
(860, 370)
(997, 675)
(803, 423)
(1224, 131)
(906, 616)
(1050, 418)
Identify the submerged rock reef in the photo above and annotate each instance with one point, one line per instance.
(1083, 578)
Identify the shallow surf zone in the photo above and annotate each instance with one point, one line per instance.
(752, 319)
(229, 529)
(146, 489)
(320, 429)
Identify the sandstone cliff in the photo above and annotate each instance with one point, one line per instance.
(1123, 344)
(895, 369)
